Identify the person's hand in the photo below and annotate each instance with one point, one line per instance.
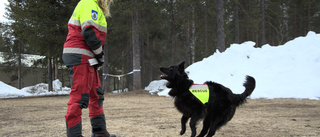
(100, 59)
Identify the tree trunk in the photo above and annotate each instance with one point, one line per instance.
(193, 36)
(172, 34)
(129, 64)
(136, 48)
(147, 62)
(50, 74)
(308, 17)
(206, 28)
(19, 65)
(188, 61)
(105, 69)
(57, 68)
(123, 70)
(220, 26)
(263, 33)
(62, 77)
(236, 22)
(153, 61)
(296, 18)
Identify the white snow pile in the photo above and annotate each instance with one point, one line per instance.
(291, 70)
(41, 89)
(9, 91)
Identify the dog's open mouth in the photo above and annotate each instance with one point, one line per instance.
(163, 76)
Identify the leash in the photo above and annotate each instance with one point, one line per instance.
(119, 76)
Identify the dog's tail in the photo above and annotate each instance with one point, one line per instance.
(249, 84)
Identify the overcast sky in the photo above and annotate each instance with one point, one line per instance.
(2, 9)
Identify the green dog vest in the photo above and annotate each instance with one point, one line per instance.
(201, 92)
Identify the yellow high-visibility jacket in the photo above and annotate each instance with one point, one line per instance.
(87, 34)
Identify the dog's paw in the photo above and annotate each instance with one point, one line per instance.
(182, 132)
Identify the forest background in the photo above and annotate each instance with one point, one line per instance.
(146, 34)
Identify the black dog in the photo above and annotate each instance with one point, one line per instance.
(219, 109)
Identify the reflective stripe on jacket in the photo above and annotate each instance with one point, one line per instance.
(87, 33)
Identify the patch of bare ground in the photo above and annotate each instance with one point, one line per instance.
(139, 114)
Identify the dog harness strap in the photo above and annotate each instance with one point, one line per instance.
(201, 92)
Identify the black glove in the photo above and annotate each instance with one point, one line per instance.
(100, 59)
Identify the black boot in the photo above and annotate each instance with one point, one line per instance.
(105, 134)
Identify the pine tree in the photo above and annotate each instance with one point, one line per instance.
(12, 53)
(41, 24)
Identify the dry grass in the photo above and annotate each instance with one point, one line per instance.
(139, 114)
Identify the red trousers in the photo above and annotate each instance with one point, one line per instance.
(85, 92)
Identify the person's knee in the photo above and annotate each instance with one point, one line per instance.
(84, 101)
(100, 94)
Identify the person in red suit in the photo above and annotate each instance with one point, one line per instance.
(83, 54)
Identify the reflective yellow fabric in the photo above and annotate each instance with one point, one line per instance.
(201, 92)
(89, 13)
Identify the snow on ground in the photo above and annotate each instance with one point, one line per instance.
(291, 70)
(7, 91)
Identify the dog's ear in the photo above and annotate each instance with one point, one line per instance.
(181, 67)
